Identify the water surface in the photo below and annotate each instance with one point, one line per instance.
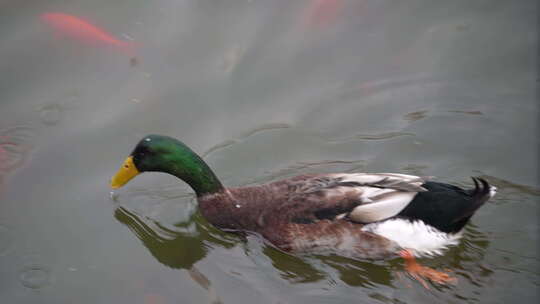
(263, 90)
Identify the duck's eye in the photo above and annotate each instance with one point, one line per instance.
(126, 166)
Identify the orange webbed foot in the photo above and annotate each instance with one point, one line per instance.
(420, 273)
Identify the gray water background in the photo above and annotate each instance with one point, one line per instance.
(263, 90)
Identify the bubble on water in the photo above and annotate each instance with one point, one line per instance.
(113, 196)
(50, 114)
(35, 276)
(6, 240)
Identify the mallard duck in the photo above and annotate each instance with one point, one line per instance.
(356, 215)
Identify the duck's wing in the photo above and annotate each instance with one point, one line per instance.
(360, 197)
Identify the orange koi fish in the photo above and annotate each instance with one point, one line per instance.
(84, 31)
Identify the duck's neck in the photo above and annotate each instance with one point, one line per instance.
(191, 168)
(201, 178)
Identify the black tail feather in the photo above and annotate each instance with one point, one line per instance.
(446, 207)
(482, 189)
(479, 195)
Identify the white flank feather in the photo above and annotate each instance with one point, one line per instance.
(422, 239)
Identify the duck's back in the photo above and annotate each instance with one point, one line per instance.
(343, 211)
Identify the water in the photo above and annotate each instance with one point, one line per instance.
(262, 89)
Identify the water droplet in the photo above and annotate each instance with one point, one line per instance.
(50, 114)
(35, 276)
(6, 240)
(114, 196)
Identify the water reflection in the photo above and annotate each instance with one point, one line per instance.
(203, 281)
(6, 239)
(332, 268)
(361, 273)
(464, 261)
(292, 268)
(178, 247)
(15, 143)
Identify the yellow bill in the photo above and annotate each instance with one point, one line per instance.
(124, 174)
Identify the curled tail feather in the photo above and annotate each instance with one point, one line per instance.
(481, 193)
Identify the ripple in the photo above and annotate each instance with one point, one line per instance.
(378, 136)
(251, 132)
(373, 87)
(414, 116)
(166, 203)
(265, 127)
(509, 186)
(219, 146)
(415, 169)
(467, 112)
(35, 274)
(50, 114)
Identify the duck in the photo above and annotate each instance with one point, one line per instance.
(354, 215)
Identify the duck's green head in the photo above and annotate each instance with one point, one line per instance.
(158, 153)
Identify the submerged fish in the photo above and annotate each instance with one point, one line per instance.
(84, 31)
(323, 12)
